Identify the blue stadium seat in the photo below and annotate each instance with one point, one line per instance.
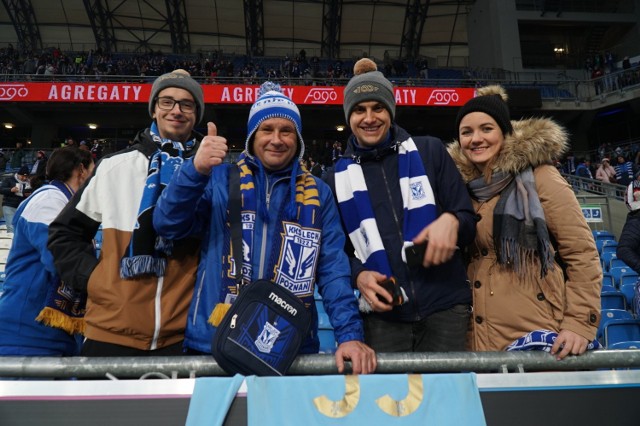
(328, 343)
(617, 331)
(606, 288)
(607, 279)
(608, 315)
(617, 272)
(603, 235)
(605, 258)
(612, 300)
(601, 243)
(628, 278)
(608, 245)
(633, 344)
(628, 290)
(615, 262)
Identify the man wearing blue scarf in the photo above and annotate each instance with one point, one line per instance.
(291, 233)
(140, 288)
(396, 191)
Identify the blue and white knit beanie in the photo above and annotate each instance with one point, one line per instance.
(272, 103)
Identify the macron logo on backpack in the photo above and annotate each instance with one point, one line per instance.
(282, 303)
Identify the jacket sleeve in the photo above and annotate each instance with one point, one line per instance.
(577, 249)
(333, 274)
(71, 243)
(449, 188)
(629, 244)
(173, 218)
(5, 186)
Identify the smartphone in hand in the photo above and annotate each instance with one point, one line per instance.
(393, 289)
(415, 253)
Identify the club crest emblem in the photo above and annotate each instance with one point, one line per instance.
(298, 258)
(267, 338)
(417, 191)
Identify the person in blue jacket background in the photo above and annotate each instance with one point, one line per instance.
(32, 282)
(291, 229)
(398, 192)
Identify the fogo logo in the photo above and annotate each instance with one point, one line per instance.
(10, 91)
(443, 97)
(321, 96)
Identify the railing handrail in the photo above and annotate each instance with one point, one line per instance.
(320, 364)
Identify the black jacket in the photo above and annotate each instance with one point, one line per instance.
(429, 290)
(629, 245)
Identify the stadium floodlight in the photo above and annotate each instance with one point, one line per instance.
(92, 126)
(8, 125)
(340, 128)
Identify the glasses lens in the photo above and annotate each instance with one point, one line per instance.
(166, 103)
(187, 106)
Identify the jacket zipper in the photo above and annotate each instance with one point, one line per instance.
(263, 242)
(399, 229)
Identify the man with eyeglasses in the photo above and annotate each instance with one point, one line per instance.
(140, 287)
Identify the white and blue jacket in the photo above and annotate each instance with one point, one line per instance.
(194, 204)
(30, 273)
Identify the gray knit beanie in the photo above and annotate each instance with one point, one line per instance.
(368, 84)
(491, 100)
(181, 79)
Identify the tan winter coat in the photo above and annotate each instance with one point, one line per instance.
(506, 307)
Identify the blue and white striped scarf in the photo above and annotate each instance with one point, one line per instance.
(358, 215)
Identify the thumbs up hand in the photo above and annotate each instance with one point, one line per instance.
(212, 151)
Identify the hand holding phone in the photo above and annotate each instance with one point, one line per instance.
(415, 253)
(393, 289)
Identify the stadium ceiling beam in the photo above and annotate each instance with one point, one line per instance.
(101, 24)
(414, 19)
(178, 25)
(24, 22)
(331, 22)
(254, 26)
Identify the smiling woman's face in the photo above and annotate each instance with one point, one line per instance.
(480, 138)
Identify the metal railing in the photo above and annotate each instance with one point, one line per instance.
(320, 364)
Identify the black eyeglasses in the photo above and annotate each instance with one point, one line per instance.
(167, 104)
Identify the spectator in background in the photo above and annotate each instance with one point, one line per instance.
(521, 298)
(3, 161)
(629, 242)
(96, 150)
(606, 173)
(393, 191)
(39, 167)
(14, 189)
(138, 295)
(583, 168)
(84, 146)
(624, 171)
(17, 157)
(31, 281)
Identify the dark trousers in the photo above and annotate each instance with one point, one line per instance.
(444, 331)
(96, 348)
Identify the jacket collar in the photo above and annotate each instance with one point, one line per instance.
(534, 142)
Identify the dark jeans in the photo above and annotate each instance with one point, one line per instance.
(444, 331)
(96, 348)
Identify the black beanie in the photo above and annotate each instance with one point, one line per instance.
(491, 100)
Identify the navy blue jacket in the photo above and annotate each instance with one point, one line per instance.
(439, 287)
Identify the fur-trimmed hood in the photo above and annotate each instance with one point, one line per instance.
(534, 141)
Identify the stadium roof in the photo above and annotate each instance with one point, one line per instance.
(324, 28)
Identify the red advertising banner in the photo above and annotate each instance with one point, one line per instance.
(218, 94)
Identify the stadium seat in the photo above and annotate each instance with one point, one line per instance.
(609, 245)
(606, 288)
(628, 278)
(603, 235)
(608, 315)
(613, 300)
(606, 260)
(327, 339)
(617, 331)
(607, 279)
(617, 272)
(615, 262)
(628, 290)
(633, 344)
